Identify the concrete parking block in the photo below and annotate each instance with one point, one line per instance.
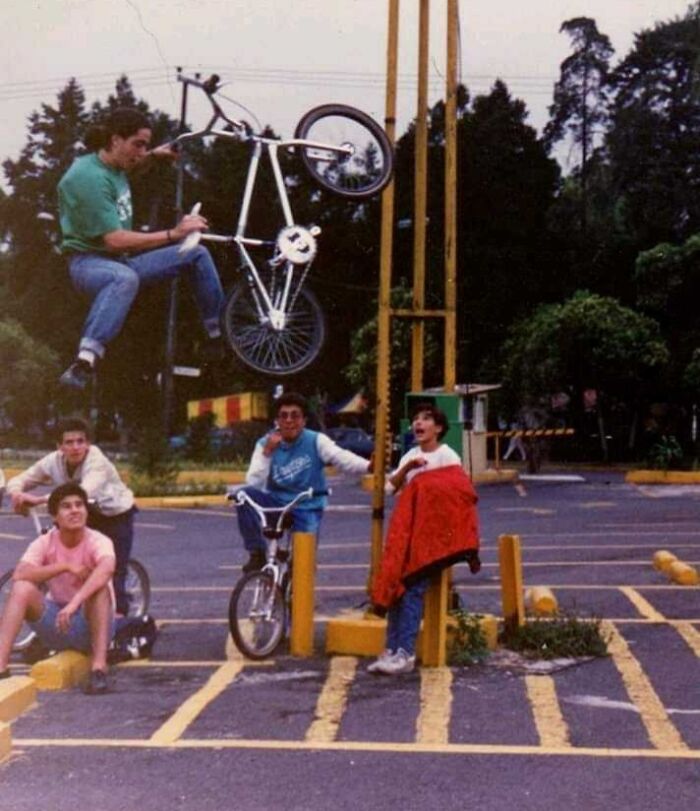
(5, 741)
(362, 635)
(61, 672)
(16, 695)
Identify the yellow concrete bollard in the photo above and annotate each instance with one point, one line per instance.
(683, 573)
(663, 560)
(511, 567)
(301, 634)
(541, 601)
(434, 640)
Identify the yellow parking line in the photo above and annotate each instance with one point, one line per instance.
(361, 746)
(662, 733)
(433, 722)
(551, 726)
(175, 726)
(645, 608)
(689, 634)
(332, 700)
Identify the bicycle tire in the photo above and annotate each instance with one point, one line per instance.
(364, 173)
(265, 349)
(26, 635)
(257, 636)
(138, 588)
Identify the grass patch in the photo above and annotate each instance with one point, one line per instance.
(467, 644)
(564, 636)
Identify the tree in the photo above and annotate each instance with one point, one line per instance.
(580, 103)
(29, 369)
(586, 342)
(652, 140)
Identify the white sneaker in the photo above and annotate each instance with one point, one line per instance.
(400, 662)
(378, 663)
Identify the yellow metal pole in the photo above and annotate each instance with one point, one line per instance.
(420, 199)
(301, 634)
(511, 567)
(384, 314)
(435, 612)
(450, 348)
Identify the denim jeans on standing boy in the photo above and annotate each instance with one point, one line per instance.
(113, 282)
(403, 618)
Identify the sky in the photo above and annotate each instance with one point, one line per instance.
(281, 57)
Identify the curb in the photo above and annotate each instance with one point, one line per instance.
(5, 741)
(364, 635)
(662, 477)
(60, 672)
(182, 502)
(16, 694)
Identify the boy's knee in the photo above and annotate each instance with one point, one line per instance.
(24, 590)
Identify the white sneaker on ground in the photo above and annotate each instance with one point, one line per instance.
(400, 662)
(383, 657)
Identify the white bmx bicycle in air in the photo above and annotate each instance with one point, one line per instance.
(271, 319)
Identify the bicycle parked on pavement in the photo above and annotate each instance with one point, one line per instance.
(260, 605)
(137, 586)
(271, 319)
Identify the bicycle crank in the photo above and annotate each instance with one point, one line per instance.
(296, 244)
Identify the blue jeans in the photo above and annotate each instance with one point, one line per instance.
(403, 618)
(249, 523)
(77, 637)
(113, 282)
(120, 529)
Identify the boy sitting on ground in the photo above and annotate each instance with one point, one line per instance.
(76, 564)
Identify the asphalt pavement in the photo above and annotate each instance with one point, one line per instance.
(199, 727)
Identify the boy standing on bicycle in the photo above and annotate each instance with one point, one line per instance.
(76, 565)
(433, 526)
(109, 261)
(76, 460)
(287, 460)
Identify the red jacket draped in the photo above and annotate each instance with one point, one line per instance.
(434, 524)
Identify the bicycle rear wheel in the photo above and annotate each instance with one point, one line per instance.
(25, 635)
(257, 615)
(138, 588)
(361, 174)
(267, 349)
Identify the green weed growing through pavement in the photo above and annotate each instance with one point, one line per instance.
(563, 636)
(467, 642)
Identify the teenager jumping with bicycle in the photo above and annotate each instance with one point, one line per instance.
(107, 259)
(287, 460)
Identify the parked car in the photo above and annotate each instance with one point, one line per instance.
(352, 439)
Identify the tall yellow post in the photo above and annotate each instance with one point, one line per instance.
(301, 635)
(511, 566)
(435, 612)
(384, 314)
(450, 342)
(420, 199)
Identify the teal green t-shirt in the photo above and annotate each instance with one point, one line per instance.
(93, 199)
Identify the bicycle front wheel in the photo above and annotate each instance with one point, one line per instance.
(362, 171)
(25, 635)
(138, 588)
(273, 349)
(257, 615)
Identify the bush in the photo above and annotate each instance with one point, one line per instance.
(564, 636)
(467, 643)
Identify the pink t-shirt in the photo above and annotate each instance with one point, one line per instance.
(47, 549)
